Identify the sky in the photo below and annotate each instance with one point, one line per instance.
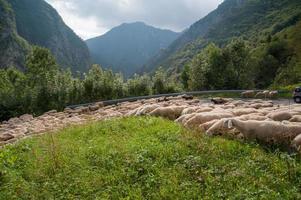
(91, 18)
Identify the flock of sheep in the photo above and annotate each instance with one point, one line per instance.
(255, 119)
(267, 121)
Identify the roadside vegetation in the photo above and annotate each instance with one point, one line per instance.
(144, 158)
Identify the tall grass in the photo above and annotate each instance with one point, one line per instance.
(144, 158)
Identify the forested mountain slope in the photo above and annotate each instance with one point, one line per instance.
(251, 20)
(39, 24)
(12, 47)
(127, 47)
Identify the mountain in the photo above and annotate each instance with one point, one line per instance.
(127, 47)
(251, 20)
(40, 24)
(13, 48)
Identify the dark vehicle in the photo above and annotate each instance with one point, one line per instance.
(297, 95)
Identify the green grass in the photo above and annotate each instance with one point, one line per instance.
(144, 158)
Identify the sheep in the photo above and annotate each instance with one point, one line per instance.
(253, 116)
(266, 93)
(228, 106)
(204, 109)
(202, 118)
(296, 118)
(163, 99)
(248, 94)
(259, 95)
(142, 110)
(268, 131)
(217, 127)
(244, 111)
(297, 142)
(146, 109)
(263, 94)
(219, 100)
(207, 125)
(171, 112)
(189, 110)
(238, 103)
(184, 118)
(261, 105)
(280, 116)
(187, 97)
(273, 94)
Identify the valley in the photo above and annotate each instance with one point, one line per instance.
(61, 62)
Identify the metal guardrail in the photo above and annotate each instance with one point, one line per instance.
(132, 99)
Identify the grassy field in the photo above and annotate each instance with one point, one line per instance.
(144, 158)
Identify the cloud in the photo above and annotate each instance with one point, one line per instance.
(91, 18)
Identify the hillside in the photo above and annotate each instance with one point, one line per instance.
(40, 24)
(249, 19)
(127, 47)
(12, 47)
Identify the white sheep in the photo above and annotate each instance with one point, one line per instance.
(253, 116)
(273, 94)
(202, 118)
(204, 109)
(207, 125)
(263, 94)
(248, 94)
(297, 142)
(259, 95)
(295, 118)
(218, 127)
(171, 112)
(184, 118)
(189, 110)
(280, 116)
(146, 109)
(267, 131)
(238, 103)
(244, 111)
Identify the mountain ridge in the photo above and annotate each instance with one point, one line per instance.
(38, 23)
(249, 19)
(127, 47)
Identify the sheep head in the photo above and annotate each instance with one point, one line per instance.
(228, 123)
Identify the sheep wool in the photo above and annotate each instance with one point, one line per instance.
(297, 142)
(207, 125)
(202, 118)
(280, 116)
(171, 112)
(248, 94)
(267, 131)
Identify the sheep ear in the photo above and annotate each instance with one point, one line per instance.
(230, 124)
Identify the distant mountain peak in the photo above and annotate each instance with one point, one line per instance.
(127, 47)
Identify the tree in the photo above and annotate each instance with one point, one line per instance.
(41, 73)
(139, 85)
(201, 73)
(185, 77)
(226, 68)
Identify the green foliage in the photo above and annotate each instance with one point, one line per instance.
(102, 84)
(185, 77)
(259, 23)
(162, 84)
(44, 87)
(139, 85)
(144, 158)
(226, 68)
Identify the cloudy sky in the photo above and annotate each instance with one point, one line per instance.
(90, 18)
